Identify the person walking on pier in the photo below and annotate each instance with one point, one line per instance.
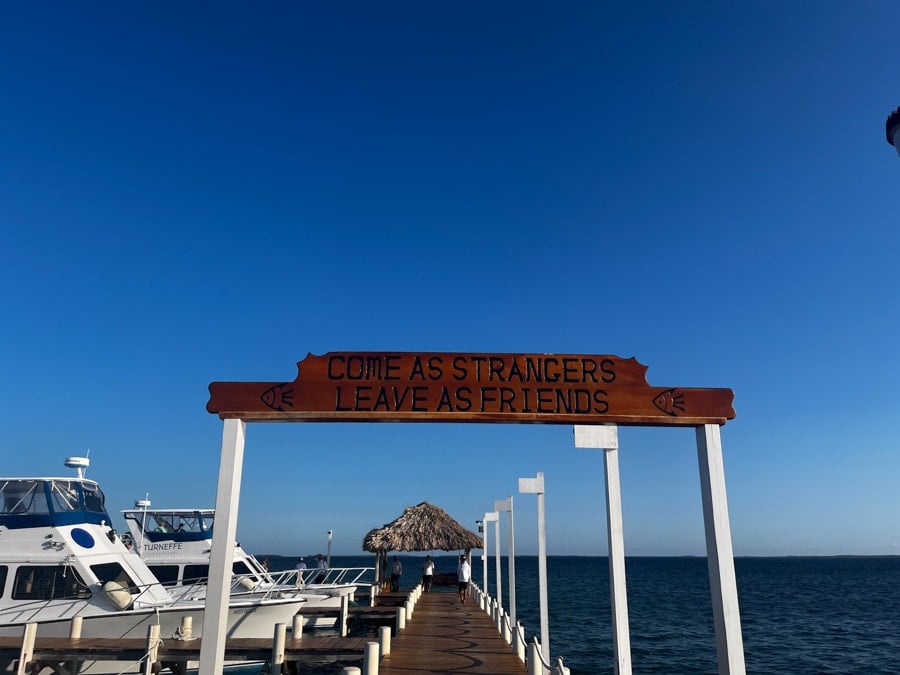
(396, 571)
(427, 573)
(463, 574)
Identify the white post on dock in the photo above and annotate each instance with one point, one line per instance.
(345, 611)
(606, 438)
(228, 493)
(506, 505)
(297, 627)
(74, 633)
(535, 486)
(384, 639)
(26, 651)
(278, 640)
(370, 659)
(719, 553)
(493, 517)
(153, 643)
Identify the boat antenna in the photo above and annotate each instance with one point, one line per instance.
(328, 552)
(142, 504)
(80, 464)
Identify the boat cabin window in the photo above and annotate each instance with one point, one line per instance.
(93, 498)
(113, 571)
(240, 567)
(64, 496)
(195, 574)
(21, 497)
(3, 572)
(161, 523)
(56, 582)
(165, 574)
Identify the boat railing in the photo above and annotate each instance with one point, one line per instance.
(330, 576)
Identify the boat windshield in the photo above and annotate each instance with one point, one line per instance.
(41, 497)
(188, 522)
(23, 497)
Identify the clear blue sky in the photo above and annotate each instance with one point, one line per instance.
(208, 192)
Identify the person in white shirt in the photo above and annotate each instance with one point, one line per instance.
(427, 573)
(463, 574)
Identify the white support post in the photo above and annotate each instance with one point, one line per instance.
(507, 506)
(228, 493)
(277, 658)
(345, 611)
(370, 659)
(153, 641)
(606, 438)
(297, 627)
(493, 517)
(535, 486)
(384, 639)
(719, 553)
(74, 633)
(26, 651)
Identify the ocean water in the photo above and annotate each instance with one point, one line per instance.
(798, 615)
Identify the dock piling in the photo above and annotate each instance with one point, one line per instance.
(153, 642)
(370, 661)
(278, 640)
(384, 639)
(27, 650)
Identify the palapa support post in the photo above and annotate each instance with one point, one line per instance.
(606, 438)
(719, 554)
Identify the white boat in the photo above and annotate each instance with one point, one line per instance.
(176, 543)
(61, 558)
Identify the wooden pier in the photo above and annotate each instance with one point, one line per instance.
(445, 636)
(441, 635)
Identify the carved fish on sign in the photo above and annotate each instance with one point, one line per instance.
(279, 396)
(669, 402)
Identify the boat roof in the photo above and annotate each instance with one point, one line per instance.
(173, 512)
(71, 479)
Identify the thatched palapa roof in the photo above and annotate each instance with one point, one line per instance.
(423, 527)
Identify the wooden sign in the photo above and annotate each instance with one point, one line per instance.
(463, 387)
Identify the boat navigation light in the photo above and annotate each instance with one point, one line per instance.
(79, 464)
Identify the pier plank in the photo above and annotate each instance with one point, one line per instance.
(444, 636)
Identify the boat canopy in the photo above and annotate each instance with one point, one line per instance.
(51, 502)
(171, 524)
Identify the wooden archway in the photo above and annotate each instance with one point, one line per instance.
(593, 393)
